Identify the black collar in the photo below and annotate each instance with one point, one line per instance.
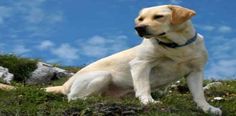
(175, 45)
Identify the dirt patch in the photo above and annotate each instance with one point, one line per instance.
(105, 109)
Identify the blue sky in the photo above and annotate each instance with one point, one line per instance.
(78, 32)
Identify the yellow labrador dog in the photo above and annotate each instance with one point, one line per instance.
(171, 49)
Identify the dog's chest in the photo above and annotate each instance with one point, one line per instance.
(167, 71)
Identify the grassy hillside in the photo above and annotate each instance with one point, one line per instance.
(31, 100)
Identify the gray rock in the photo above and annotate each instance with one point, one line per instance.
(5, 75)
(210, 85)
(45, 73)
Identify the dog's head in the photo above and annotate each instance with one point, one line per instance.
(157, 21)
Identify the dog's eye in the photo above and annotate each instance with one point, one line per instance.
(157, 16)
(140, 19)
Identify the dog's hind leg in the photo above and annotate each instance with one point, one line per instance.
(89, 84)
(65, 88)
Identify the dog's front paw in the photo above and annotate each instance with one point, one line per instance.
(147, 100)
(213, 110)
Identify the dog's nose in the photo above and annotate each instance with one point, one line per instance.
(141, 29)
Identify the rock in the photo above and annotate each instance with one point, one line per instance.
(45, 73)
(210, 85)
(5, 75)
(177, 82)
(173, 86)
(218, 98)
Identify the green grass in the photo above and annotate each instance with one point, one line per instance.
(20, 67)
(31, 100)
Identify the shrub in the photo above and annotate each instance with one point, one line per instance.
(71, 68)
(20, 67)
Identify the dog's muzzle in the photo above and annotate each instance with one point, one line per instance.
(142, 30)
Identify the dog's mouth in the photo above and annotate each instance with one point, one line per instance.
(147, 35)
(142, 31)
(161, 34)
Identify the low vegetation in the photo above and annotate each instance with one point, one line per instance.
(32, 100)
(28, 100)
(20, 67)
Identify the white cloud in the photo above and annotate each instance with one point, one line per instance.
(54, 61)
(66, 52)
(224, 29)
(30, 3)
(175, 1)
(223, 69)
(34, 12)
(55, 18)
(220, 28)
(207, 27)
(36, 15)
(36, 18)
(97, 40)
(99, 46)
(45, 45)
(20, 49)
(5, 12)
(222, 47)
(222, 62)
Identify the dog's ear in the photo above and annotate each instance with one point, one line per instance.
(180, 14)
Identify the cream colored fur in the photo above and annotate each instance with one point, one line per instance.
(148, 65)
(6, 87)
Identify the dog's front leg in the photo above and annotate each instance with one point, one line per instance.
(194, 81)
(140, 71)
